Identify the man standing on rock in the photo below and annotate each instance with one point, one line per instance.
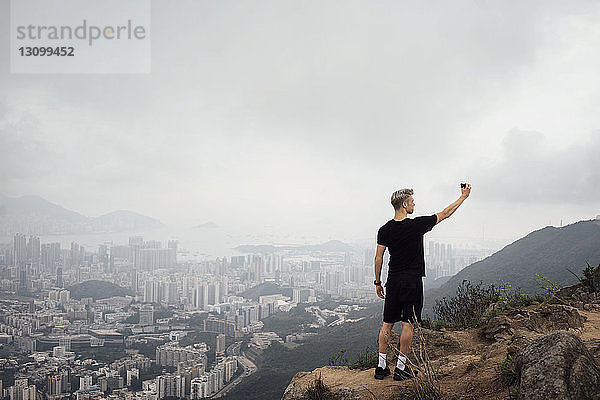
(403, 237)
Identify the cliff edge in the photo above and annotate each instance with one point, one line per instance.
(549, 349)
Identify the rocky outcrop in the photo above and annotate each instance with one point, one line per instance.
(557, 366)
(548, 350)
(438, 344)
(342, 383)
(555, 317)
(498, 328)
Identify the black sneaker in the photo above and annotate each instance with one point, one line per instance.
(406, 373)
(381, 373)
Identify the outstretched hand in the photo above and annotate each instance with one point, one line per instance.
(466, 191)
(379, 290)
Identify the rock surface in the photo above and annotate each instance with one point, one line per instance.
(551, 350)
(557, 366)
(344, 383)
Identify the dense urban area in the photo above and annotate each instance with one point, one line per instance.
(147, 322)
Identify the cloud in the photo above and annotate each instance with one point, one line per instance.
(324, 108)
(530, 170)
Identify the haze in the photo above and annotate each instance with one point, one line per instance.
(305, 116)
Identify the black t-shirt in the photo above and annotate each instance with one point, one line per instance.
(404, 241)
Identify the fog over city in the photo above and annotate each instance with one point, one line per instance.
(275, 117)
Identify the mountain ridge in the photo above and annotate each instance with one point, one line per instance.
(32, 214)
(544, 255)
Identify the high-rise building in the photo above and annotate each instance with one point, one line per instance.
(146, 315)
(201, 296)
(220, 347)
(134, 280)
(59, 278)
(171, 293)
(153, 291)
(19, 250)
(169, 385)
(76, 254)
(50, 256)
(136, 240)
(213, 293)
(33, 250)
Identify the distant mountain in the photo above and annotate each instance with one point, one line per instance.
(258, 248)
(208, 224)
(332, 245)
(548, 252)
(97, 290)
(35, 215)
(30, 206)
(124, 220)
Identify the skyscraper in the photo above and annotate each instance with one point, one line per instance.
(59, 278)
(19, 249)
(146, 315)
(33, 250)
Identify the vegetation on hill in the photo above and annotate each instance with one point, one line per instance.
(97, 290)
(286, 323)
(528, 263)
(278, 364)
(469, 308)
(266, 289)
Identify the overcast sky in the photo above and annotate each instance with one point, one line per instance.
(306, 115)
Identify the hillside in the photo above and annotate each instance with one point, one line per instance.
(265, 289)
(547, 350)
(35, 215)
(547, 252)
(97, 290)
(278, 364)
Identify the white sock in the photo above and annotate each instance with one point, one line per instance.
(401, 362)
(382, 360)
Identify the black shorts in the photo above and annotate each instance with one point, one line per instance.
(401, 296)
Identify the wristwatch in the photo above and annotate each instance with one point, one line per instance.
(377, 283)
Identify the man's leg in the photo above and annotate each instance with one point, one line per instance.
(384, 340)
(406, 337)
(384, 336)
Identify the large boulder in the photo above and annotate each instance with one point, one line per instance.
(557, 366)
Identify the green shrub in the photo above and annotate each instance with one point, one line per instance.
(339, 359)
(508, 376)
(587, 280)
(435, 325)
(366, 359)
(466, 309)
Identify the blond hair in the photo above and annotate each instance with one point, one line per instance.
(400, 196)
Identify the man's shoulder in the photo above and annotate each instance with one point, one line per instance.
(388, 223)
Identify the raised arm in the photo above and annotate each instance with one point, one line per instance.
(448, 211)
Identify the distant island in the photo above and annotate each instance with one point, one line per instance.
(208, 224)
